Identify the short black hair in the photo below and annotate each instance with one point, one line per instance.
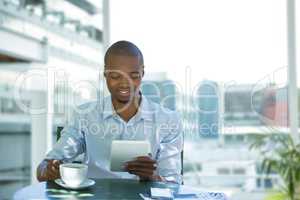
(124, 48)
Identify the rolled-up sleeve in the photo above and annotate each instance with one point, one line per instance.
(71, 143)
(171, 146)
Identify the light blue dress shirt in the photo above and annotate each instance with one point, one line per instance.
(94, 125)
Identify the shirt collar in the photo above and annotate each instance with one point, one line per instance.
(144, 111)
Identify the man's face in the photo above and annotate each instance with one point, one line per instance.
(123, 77)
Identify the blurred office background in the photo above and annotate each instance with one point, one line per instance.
(225, 65)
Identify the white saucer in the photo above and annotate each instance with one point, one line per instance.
(85, 184)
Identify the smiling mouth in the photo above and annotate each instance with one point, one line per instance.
(124, 92)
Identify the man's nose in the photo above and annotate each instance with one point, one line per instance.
(125, 81)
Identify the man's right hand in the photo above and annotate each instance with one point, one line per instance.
(48, 170)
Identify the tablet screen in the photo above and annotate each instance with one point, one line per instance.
(126, 150)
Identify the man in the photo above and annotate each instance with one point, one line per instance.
(124, 115)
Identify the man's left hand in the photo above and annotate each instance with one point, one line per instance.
(144, 167)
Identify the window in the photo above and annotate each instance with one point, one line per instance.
(239, 171)
(229, 66)
(223, 171)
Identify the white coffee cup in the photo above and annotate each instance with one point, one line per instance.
(73, 174)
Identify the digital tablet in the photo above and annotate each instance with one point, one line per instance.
(126, 150)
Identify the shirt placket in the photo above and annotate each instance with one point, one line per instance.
(125, 132)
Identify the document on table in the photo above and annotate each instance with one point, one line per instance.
(165, 193)
(161, 193)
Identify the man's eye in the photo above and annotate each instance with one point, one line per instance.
(135, 76)
(114, 75)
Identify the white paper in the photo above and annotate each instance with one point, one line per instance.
(144, 197)
(161, 192)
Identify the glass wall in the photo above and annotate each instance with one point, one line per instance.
(221, 63)
(14, 138)
(297, 10)
(227, 61)
(73, 35)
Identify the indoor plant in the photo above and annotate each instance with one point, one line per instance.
(281, 155)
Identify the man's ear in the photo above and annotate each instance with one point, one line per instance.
(143, 73)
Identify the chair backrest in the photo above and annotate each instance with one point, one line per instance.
(182, 162)
(182, 154)
(182, 166)
(58, 132)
